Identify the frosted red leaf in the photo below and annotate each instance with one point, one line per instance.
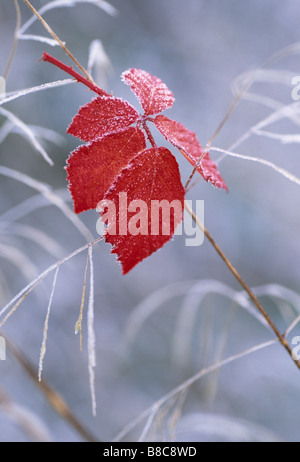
(152, 93)
(102, 116)
(186, 141)
(151, 177)
(93, 167)
(115, 168)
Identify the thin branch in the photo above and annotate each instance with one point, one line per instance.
(252, 296)
(53, 397)
(183, 386)
(292, 325)
(238, 96)
(63, 46)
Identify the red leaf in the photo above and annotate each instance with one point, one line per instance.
(152, 93)
(138, 230)
(102, 116)
(186, 141)
(93, 167)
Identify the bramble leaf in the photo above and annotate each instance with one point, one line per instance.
(138, 191)
(151, 92)
(186, 141)
(148, 200)
(102, 116)
(93, 167)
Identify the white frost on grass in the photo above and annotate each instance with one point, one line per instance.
(2, 86)
(19, 259)
(159, 298)
(184, 387)
(45, 330)
(40, 132)
(39, 237)
(53, 198)
(17, 300)
(259, 160)
(17, 94)
(99, 64)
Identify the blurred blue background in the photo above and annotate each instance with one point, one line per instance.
(198, 48)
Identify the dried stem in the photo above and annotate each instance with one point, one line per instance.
(185, 385)
(254, 299)
(63, 46)
(15, 41)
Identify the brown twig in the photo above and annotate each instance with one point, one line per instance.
(63, 46)
(236, 274)
(53, 397)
